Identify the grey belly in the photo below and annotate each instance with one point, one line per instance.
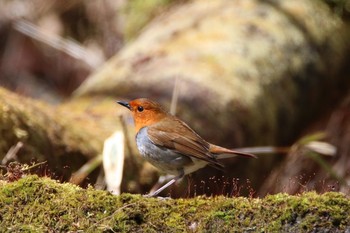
(164, 159)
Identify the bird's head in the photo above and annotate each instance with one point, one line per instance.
(144, 111)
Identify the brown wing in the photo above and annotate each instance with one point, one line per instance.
(176, 135)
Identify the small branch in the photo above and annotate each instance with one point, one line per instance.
(86, 169)
(69, 47)
(175, 96)
(12, 153)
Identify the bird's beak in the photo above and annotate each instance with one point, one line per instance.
(125, 104)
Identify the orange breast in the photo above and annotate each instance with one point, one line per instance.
(147, 118)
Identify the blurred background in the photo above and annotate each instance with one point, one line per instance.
(273, 75)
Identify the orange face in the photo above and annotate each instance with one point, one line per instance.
(145, 112)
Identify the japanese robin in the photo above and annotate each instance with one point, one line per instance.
(170, 144)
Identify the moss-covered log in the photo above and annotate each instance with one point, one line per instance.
(40, 204)
(67, 135)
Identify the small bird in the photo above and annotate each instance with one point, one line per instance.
(170, 144)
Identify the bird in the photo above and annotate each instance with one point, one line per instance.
(170, 144)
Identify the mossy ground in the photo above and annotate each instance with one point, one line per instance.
(34, 204)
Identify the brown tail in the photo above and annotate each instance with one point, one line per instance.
(223, 153)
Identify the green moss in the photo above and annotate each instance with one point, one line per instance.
(40, 204)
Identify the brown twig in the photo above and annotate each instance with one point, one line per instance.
(12, 153)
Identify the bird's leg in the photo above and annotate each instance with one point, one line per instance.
(161, 181)
(172, 181)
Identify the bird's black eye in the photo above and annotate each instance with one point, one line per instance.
(140, 108)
